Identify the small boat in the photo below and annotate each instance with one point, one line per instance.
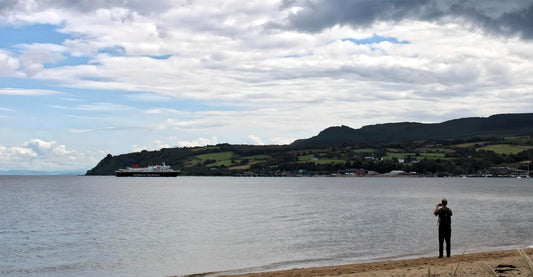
(149, 171)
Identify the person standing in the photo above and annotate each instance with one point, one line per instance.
(445, 226)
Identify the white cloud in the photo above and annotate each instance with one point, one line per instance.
(80, 48)
(252, 139)
(8, 64)
(36, 55)
(40, 146)
(28, 92)
(139, 148)
(282, 140)
(198, 142)
(245, 77)
(96, 107)
(6, 109)
(149, 97)
(17, 153)
(102, 106)
(81, 131)
(166, 111)
(38, 154)
(331, 71)
(154, 146)
(227, 57)
(205, 121)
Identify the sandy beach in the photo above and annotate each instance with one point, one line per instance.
(506, 263)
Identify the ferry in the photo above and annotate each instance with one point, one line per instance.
(149, 171)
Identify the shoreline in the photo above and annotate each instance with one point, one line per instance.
(507, 262)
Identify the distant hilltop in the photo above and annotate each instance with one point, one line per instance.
(497, 126)
(460, 146)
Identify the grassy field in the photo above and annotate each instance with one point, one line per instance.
(433, 155)
(257, 157)
(506, 148)
(472, 144)
(397, 155)
(306, 158)
(220, 156)
(419, 156)
(329, 161)
(332, 155)
(365, 150)
(226, 163)
(519, 140)
(227, 159)
(435, 150)
(240, 167)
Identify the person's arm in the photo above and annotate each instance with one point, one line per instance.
(436, 209)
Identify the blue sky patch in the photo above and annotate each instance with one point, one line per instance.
(375, 39)
(162, 57)
(115, 51)
(14, 82)
(30, 34)
(296, 56)
(69, 61)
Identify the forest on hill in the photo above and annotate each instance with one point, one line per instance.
(499, 146)
(498, 126)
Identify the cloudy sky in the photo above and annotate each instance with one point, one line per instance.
(81, 79)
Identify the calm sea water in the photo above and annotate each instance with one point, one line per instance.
(108, 226)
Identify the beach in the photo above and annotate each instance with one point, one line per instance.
(506, 263)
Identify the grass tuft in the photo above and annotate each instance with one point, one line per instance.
(526, 260)
(456, 268)
(491, 270)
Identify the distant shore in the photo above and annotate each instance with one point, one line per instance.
(506, 263)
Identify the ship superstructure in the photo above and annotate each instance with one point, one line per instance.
(149, 171)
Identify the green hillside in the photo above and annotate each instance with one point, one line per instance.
(334, 151)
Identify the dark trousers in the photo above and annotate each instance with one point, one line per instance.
(444, 235)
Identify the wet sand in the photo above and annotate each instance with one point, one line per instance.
(509, 263)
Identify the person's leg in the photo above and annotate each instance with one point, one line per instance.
(448, 245)
(441, 242)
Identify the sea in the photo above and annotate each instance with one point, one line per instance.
(109, 226)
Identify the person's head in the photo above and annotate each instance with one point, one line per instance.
(444, 202)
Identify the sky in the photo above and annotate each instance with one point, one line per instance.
(83, 79)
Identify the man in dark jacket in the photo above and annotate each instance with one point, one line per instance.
(445, 226)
